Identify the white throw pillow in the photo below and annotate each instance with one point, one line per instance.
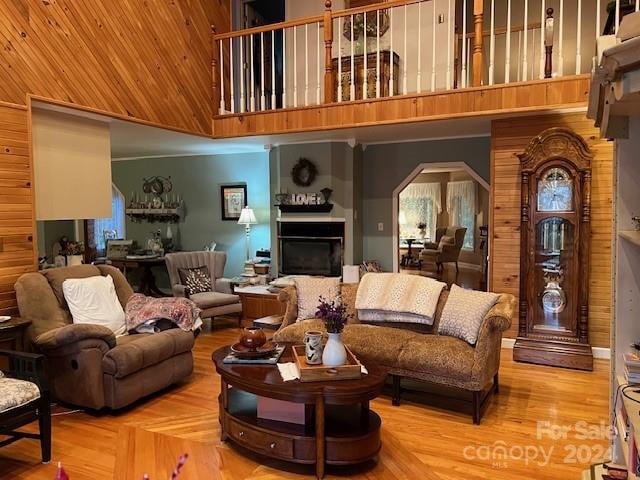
(93, 300)
(309, 291)
(464, 311)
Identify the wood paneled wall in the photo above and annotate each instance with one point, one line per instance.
(145, 59)
(510, 137)
(17, 222)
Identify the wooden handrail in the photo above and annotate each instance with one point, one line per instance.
(268, 28)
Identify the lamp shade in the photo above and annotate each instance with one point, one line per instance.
(247, 217)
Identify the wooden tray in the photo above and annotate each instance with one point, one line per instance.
(321, 373)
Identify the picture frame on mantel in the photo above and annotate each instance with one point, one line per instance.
(233, 198)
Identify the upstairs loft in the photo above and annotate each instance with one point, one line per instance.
(424, 60)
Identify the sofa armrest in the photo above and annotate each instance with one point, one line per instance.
(500, 315)
(223, 285)
(430, 246)
(180, 291)
(289, 297)
(70, 334)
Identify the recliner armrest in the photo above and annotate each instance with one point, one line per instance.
(70, 334)
(223, 285)
(180, 291)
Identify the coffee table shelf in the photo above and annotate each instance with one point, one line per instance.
(342, 430)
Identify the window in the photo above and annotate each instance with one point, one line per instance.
(461, 205)
(97, 228)
(419, 203)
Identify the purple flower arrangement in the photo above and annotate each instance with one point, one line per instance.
(333, 313)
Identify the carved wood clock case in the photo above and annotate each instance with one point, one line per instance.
(554, 251)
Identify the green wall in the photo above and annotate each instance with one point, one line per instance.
(198, 180)
(385, 166)
(49, 232)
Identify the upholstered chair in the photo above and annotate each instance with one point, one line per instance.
(220, 300)
(88, 365)
(446, 248)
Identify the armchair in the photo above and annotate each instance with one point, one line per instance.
(220, 301)
(446, 248)
(24, 398)
(87, 365)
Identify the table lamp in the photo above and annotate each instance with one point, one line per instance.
(247, 218)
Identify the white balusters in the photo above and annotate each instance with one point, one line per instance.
(419, 69)
(273, 70)
(525, 60)
(231, 79)
(543, 16)
(284, 68)
(222, 105)
(318, 66)
(391, 72)
(306, 64)
(598, 24)
(637, 5)
(377, 53)
(450, 21)
(507, 50)
(579, 38)
(560, 65)
(617, 14)
(464, 44)
(468, 80)
(365, 73)
(263, 98)
(352, 86)
(295, 66)
(252, 105)
(405, 58)
(242, 77)
(339, 59)
(433, 45)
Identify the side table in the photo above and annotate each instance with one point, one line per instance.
(258, 302)
(13, 334)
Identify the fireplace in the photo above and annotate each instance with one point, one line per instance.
(310, 248)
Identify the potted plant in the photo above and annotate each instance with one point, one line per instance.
(73, 252)
(335, 317)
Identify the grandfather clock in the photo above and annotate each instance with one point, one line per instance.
(554, 251)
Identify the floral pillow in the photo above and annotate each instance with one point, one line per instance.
(197, 280)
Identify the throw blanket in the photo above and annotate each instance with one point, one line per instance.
(397, 297)
(142, 312)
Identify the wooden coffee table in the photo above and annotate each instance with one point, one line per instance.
(341, 431)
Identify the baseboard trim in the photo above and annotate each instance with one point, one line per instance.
(598, 352)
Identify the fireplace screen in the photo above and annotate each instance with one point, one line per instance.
(311, 256)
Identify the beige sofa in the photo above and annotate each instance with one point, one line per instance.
(417, 351)
(87, 365)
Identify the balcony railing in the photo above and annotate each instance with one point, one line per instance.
(407, 47)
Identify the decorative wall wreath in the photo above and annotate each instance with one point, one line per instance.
(304, 172)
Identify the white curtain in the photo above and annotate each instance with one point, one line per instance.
(461, 206)
(115, 222)
(419, 203)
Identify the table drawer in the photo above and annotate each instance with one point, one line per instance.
(270, 443)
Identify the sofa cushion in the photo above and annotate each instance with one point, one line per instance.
(135, 352)
(14, 393)
(206, 300)
(57, 276)
(438, 355)
(381, 344)
(464, 312)
(310, 289)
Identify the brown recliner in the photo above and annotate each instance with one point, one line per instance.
(88, 366)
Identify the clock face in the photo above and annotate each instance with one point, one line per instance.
(555, 191)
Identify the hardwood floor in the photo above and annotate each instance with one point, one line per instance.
(420, 440)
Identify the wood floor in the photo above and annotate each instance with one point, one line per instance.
(420, 441)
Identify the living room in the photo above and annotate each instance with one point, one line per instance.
(215, 263)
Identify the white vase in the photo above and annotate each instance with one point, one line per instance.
(334, 353)
(74, 260)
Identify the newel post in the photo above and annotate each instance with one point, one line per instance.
(328, 46)
(478, 16)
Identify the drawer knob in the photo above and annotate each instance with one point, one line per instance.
(273, 445)
(241, 434)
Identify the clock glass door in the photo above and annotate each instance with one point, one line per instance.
(554, 262)
(555, 191)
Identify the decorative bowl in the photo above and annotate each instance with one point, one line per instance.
(252, 338)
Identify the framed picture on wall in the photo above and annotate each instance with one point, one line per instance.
(233, 199)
